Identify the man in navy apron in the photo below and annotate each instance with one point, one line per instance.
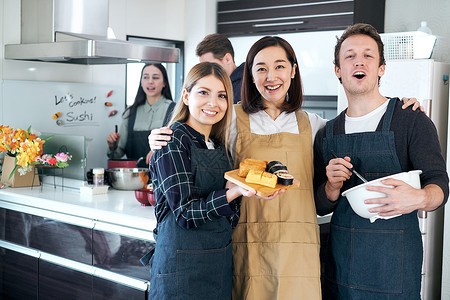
(380, 260)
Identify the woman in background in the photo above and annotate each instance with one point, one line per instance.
(151, 109)
(194, 210)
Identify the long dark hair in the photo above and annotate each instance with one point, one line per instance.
(251, 98)
(141, 97)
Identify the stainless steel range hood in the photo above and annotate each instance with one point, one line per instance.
(75, 31)
(91, 52)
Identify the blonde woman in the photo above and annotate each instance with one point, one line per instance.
(195, 207)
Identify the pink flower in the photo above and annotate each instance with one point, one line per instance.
(45, 158)
(62, 157)
(60, 160)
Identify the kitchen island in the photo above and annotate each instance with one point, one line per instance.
(62, 244)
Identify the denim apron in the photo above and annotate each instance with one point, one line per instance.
(137, 142)
(196, 263)
(380, 260)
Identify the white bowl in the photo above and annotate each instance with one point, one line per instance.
(358, 194)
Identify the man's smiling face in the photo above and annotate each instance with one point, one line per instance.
(359, 67)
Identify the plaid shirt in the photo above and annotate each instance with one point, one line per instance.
(173, 180)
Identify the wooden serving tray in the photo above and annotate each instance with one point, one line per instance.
(261, 190)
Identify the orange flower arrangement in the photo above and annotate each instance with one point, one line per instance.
(25, 145)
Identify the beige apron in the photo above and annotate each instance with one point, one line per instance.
(276, 243)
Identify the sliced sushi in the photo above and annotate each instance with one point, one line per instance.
(277, 168)
(285, 178)
(273, 163)
(274, 166)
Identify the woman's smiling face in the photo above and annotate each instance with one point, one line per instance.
(207, 103)
(272, 74)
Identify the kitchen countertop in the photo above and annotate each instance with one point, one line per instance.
(115, 207)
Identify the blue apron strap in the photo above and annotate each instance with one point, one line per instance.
(388, 114)
(329, 129)
(147, 258)
(131, 121)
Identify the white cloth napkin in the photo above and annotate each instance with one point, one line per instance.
(374, 218)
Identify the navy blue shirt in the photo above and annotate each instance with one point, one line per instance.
(173, 179)
(236, 81)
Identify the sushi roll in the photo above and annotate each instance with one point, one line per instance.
(285, 178)
(280, 171)
(271, 164)
(276, 168)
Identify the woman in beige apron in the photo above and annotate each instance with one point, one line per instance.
(276, 242)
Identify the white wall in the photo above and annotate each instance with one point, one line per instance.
(406, 15)
(148, 18)
(200, 20)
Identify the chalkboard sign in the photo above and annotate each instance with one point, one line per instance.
(80, 109)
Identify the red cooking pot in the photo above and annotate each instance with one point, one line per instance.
(123, 163)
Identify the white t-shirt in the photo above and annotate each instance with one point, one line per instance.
(261, 123)
(210, 145)
(366, 123)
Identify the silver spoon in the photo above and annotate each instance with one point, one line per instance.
(351, 170)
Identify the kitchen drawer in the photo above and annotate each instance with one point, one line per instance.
(119, 249)
(17, 226)
(60, 234)
(112, 286)
(18, 272)
(62, 239)
(63, 279)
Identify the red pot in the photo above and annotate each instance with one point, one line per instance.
(122, 163)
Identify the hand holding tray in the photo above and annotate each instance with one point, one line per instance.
(261, 190)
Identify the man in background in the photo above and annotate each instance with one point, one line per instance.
(217, 48)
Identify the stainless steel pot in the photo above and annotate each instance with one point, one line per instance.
(128, 178)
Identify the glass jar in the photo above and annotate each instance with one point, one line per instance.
(98, 176)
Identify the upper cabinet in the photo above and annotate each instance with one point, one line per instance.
(265, 17)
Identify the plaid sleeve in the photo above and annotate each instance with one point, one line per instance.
(175, 182)
(235, 206)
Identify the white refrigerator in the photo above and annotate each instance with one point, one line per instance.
(446, 248)
(426, 80)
